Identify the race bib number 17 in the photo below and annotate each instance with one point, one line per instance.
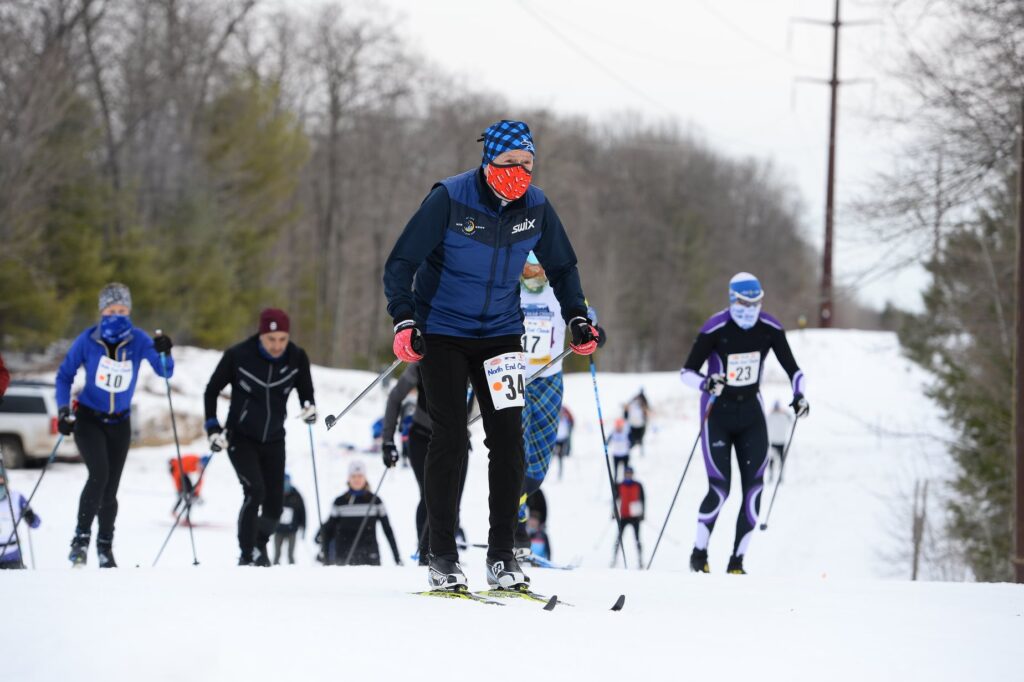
(505, 376)
(114, 376)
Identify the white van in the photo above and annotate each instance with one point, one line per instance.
(28, 424)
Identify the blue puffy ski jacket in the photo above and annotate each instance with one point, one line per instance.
(108, 388)
(466, 252)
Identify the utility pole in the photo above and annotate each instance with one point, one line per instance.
(1018, 387)
(825, 294)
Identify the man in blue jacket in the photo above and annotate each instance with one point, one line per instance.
(452, 285)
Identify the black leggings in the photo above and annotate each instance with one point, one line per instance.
(449, 362)
(419, 442)
(738, 424)
(623, 525)
(260, 469)
(104, 448)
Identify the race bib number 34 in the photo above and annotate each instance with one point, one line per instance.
(505, 379)
(114, 376)
(743, 368)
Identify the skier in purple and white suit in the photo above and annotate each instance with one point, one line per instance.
(735, 343)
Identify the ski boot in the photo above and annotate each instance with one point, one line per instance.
(506, 575)
(246, 558)
(735, 566)
(79, 550)
(699, 561)
(105, 553)
(260, 555)
(445, 574)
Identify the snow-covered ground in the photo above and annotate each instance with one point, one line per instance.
(827, 597)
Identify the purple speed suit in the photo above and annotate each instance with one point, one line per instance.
(737, 417)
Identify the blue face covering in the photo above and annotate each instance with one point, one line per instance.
(115, 328)
(745, 316)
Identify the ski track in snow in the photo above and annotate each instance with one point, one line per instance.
(826, 598)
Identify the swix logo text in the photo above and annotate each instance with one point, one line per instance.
(524, 226)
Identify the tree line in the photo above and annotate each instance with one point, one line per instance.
(222, 156)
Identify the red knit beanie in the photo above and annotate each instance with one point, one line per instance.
(273, 320)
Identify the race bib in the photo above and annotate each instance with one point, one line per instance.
(505, 379)
(537, 340)
(287, 516)
(636, 508)
(114, 376)
(743, 368)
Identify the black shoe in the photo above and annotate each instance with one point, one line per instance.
(735, 566)
(699, 561)
(245, 559)
(105, 553)
(506, 574)
(260, 555)
(445, 574)
(79, 550)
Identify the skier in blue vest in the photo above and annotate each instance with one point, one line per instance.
(465, 249)
(111, 353)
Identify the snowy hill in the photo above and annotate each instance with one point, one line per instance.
(813, 606)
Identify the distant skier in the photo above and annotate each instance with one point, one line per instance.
(262, 370)
(779, 423)
(10, 556)
(112, 353)
(632, 504)
(544, 338)
(619, 446)
(452, 284)
(293, 520)
(735, 343)
(184, 485)
(338, 535)
(637, 413)
(563, 439)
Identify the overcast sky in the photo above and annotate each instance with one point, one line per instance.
(727, 69)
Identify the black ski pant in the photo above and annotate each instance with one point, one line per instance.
(419, 442)
(623, 525)
(260, 470)
(104, 449)
(619, 461)
(447, 365)
(738, 424)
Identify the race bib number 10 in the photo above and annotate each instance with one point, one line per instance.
(743, 368)
(114, 376)
(506, 380)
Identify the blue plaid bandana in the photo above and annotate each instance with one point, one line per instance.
(504, 136)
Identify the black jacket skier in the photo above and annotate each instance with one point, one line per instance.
(338, 534)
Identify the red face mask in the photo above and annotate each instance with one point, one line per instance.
(510, 182)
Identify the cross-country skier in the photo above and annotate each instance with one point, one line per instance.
(293, 520)
(563, 439)
(632, 503)
(419, 440)
(543, 339)
(637, 413)
(465, 248)
(350, 509)
(735, 343)
(111, 353)
(10, 556)
(262, 371)
(779, 422)
(619, 446)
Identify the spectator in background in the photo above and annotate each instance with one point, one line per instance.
(338, 535)
(293, 519)
(779, 422)
(630, 496)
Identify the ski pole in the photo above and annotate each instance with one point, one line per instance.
(31, 549)
(51, 458)
(177, 520)
(561, 356)
(331, 419)
(369, 510)
(316, 483)
(782, 465)
(607, 461)
(177, 448)
(707, 413)
(10, 504)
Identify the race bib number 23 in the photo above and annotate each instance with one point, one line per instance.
(743, 369)
(505, 376)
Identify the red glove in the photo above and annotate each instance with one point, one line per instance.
(584, 336)
(408, 344)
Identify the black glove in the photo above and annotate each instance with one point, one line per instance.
(65, 421)
(30, 516)
(602, 336)
(714, 384)
(162, 344)
(389, 454)
(800, 405)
